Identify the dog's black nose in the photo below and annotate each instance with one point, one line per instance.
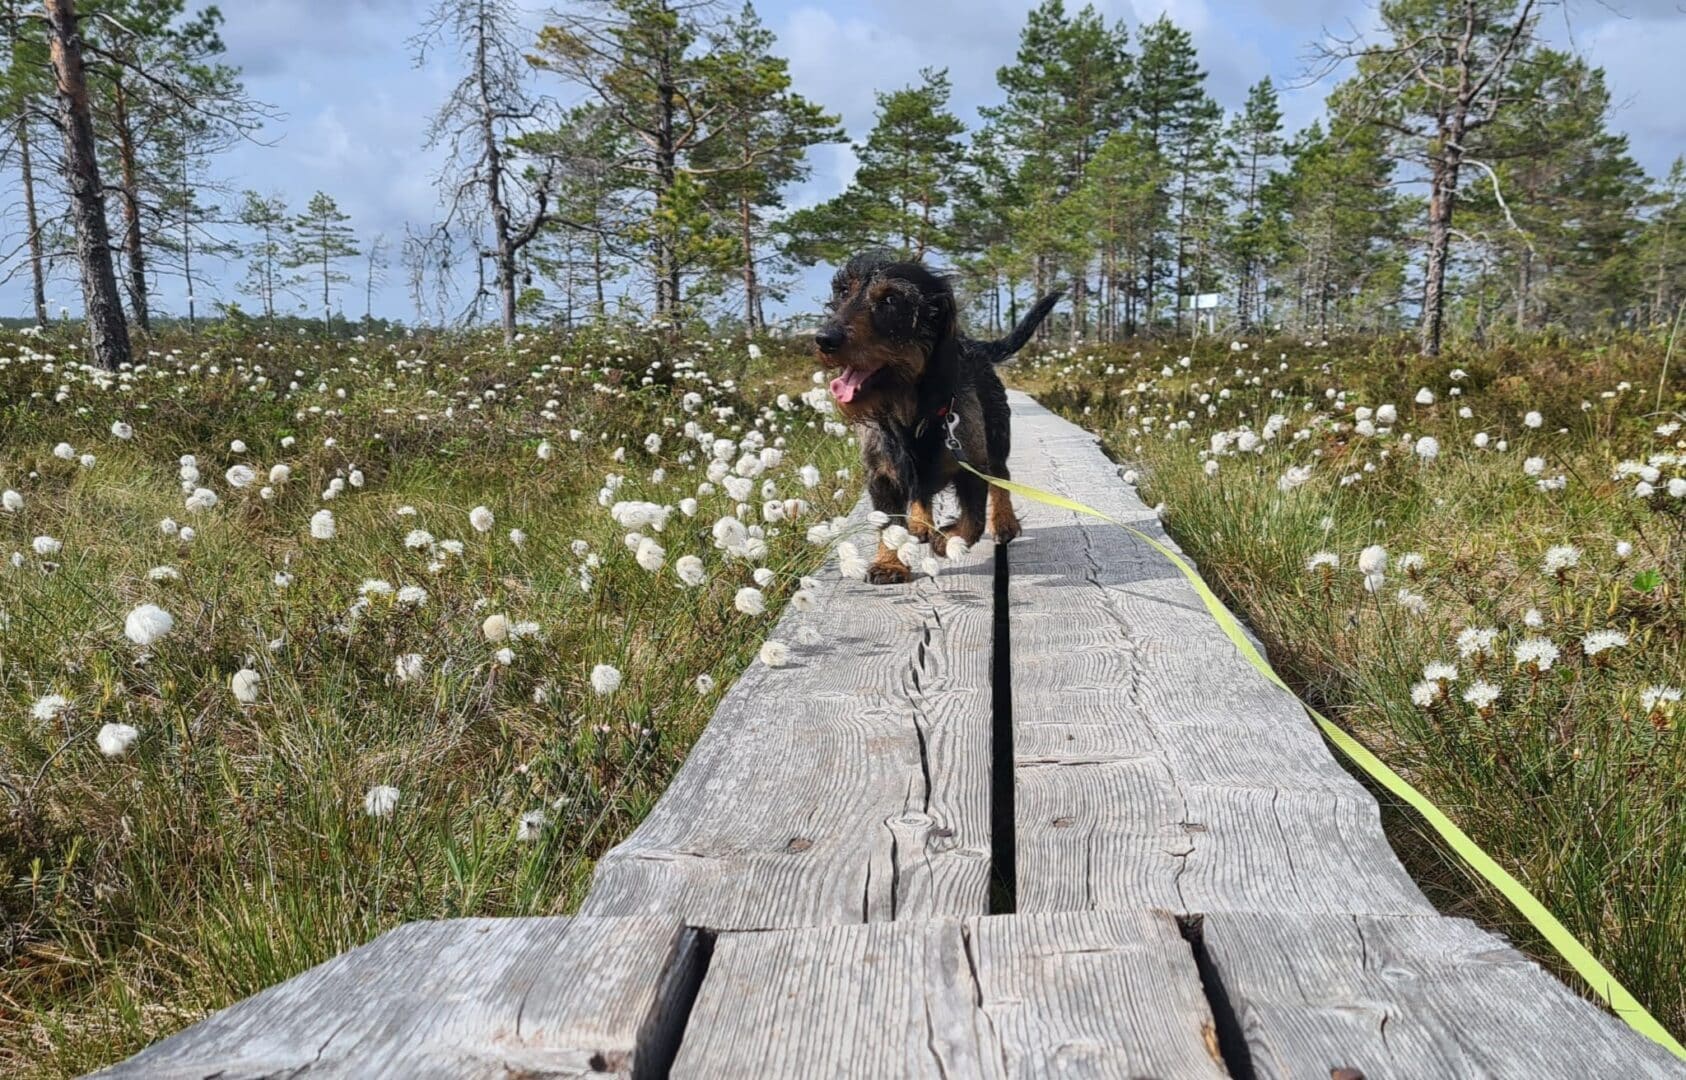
(829, 339)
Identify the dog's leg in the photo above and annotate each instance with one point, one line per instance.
(973, 494)
(890, 497)
(923, 526)
(998, 436)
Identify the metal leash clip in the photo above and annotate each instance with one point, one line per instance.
(952, 440)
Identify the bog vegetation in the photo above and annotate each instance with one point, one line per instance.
(302, 641)
(1475, 564)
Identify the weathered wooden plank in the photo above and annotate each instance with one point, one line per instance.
(1155, 767)
(851, 785)
(1102, 994)
(1409, 997)
(551, 997)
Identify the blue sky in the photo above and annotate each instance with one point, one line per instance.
(355, 108)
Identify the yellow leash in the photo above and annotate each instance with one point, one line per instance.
(1579, 957)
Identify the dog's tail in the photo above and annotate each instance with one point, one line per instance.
(1001, 348)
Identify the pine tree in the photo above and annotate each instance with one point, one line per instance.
(1563, 234)
(1662, 249)
(267, 252)
(1255, 142)
(1172, 111)
(1443, 75)
(24, 91)
(1066, 91)
(900, 196)
(1124, 206)
(321, 239)
(1342, 236)
(764, 148)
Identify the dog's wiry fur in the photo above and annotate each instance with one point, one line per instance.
(896, 323)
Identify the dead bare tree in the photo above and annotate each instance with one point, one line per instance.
(482, 184)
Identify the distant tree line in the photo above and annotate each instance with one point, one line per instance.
(636, 155)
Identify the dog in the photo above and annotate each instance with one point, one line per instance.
(907, 373)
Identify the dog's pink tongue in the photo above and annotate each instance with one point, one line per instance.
(846, 385)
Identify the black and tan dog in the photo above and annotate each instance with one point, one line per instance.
(907, 368)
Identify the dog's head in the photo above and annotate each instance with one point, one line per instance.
(885, 321)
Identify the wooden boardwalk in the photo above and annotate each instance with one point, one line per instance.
(1033, 817)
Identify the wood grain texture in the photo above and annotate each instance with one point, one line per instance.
(1410, 997)
(1098, 994)
(492, 998)
(849, 786)
(1155, 767)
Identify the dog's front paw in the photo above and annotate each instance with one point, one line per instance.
(1006, 529)
(888, 572)
(939, 543)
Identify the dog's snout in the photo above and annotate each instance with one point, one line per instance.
(829, 338)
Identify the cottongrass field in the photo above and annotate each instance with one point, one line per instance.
(301, 640)
(1475, 564)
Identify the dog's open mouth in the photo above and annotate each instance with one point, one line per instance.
(850, 383)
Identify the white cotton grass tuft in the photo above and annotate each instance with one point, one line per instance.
(496, 628)
(380, 801)
(1322, 561)
(531, 826)
(11, 501)
(605, 679)
(763, 577)
(408, 668)
(703, 683)
(46, 546)
(775, 654)
(147, 623)
(49, 707)
(244, 685)
(240, 476)
(481, 518)
(114, 740)
(750, 601)
(650, 555)
(322, 526)
(690, 571)
(1372, 561)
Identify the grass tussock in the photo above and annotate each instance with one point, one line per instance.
(442, 621)
(1475, 563)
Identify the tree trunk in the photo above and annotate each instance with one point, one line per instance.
(504, 251)
(1444, 179)
(187, 244)
(1524, 283)
(37, 269)
(749, 285)
(108, 333)
(134, 249)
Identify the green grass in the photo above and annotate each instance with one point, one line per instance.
(229, 848)
(1573, 779)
